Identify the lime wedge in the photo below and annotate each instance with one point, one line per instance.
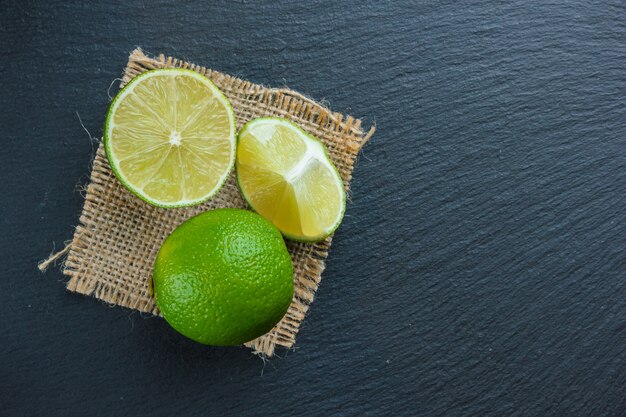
(170, 137)
(287, 177)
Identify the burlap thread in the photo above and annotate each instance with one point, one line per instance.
(112, 252)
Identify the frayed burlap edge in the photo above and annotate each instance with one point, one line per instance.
(127, 284)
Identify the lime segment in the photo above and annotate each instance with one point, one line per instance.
(287, 177)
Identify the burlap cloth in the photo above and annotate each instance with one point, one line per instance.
(112, 252)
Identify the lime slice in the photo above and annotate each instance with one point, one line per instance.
(287, 177)
(170, 137)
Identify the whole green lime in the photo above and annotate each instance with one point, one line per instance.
(223, 277)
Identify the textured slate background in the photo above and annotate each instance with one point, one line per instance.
(481, 266)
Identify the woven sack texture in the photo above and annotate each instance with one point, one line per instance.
(114, 246)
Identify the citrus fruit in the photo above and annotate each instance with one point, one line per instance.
(223, 277)
(170, 137)
(287, 177)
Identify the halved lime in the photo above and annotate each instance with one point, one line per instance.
(170, 137)
(287, 177)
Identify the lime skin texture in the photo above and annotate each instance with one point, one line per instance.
(223, 277)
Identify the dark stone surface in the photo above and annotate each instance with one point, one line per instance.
(481, 266)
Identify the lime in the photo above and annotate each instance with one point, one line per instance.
(287, 177)
(223, 277)
(170, 137)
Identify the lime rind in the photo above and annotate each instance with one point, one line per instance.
(113, 162)
(285, 122)
(215, 293)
